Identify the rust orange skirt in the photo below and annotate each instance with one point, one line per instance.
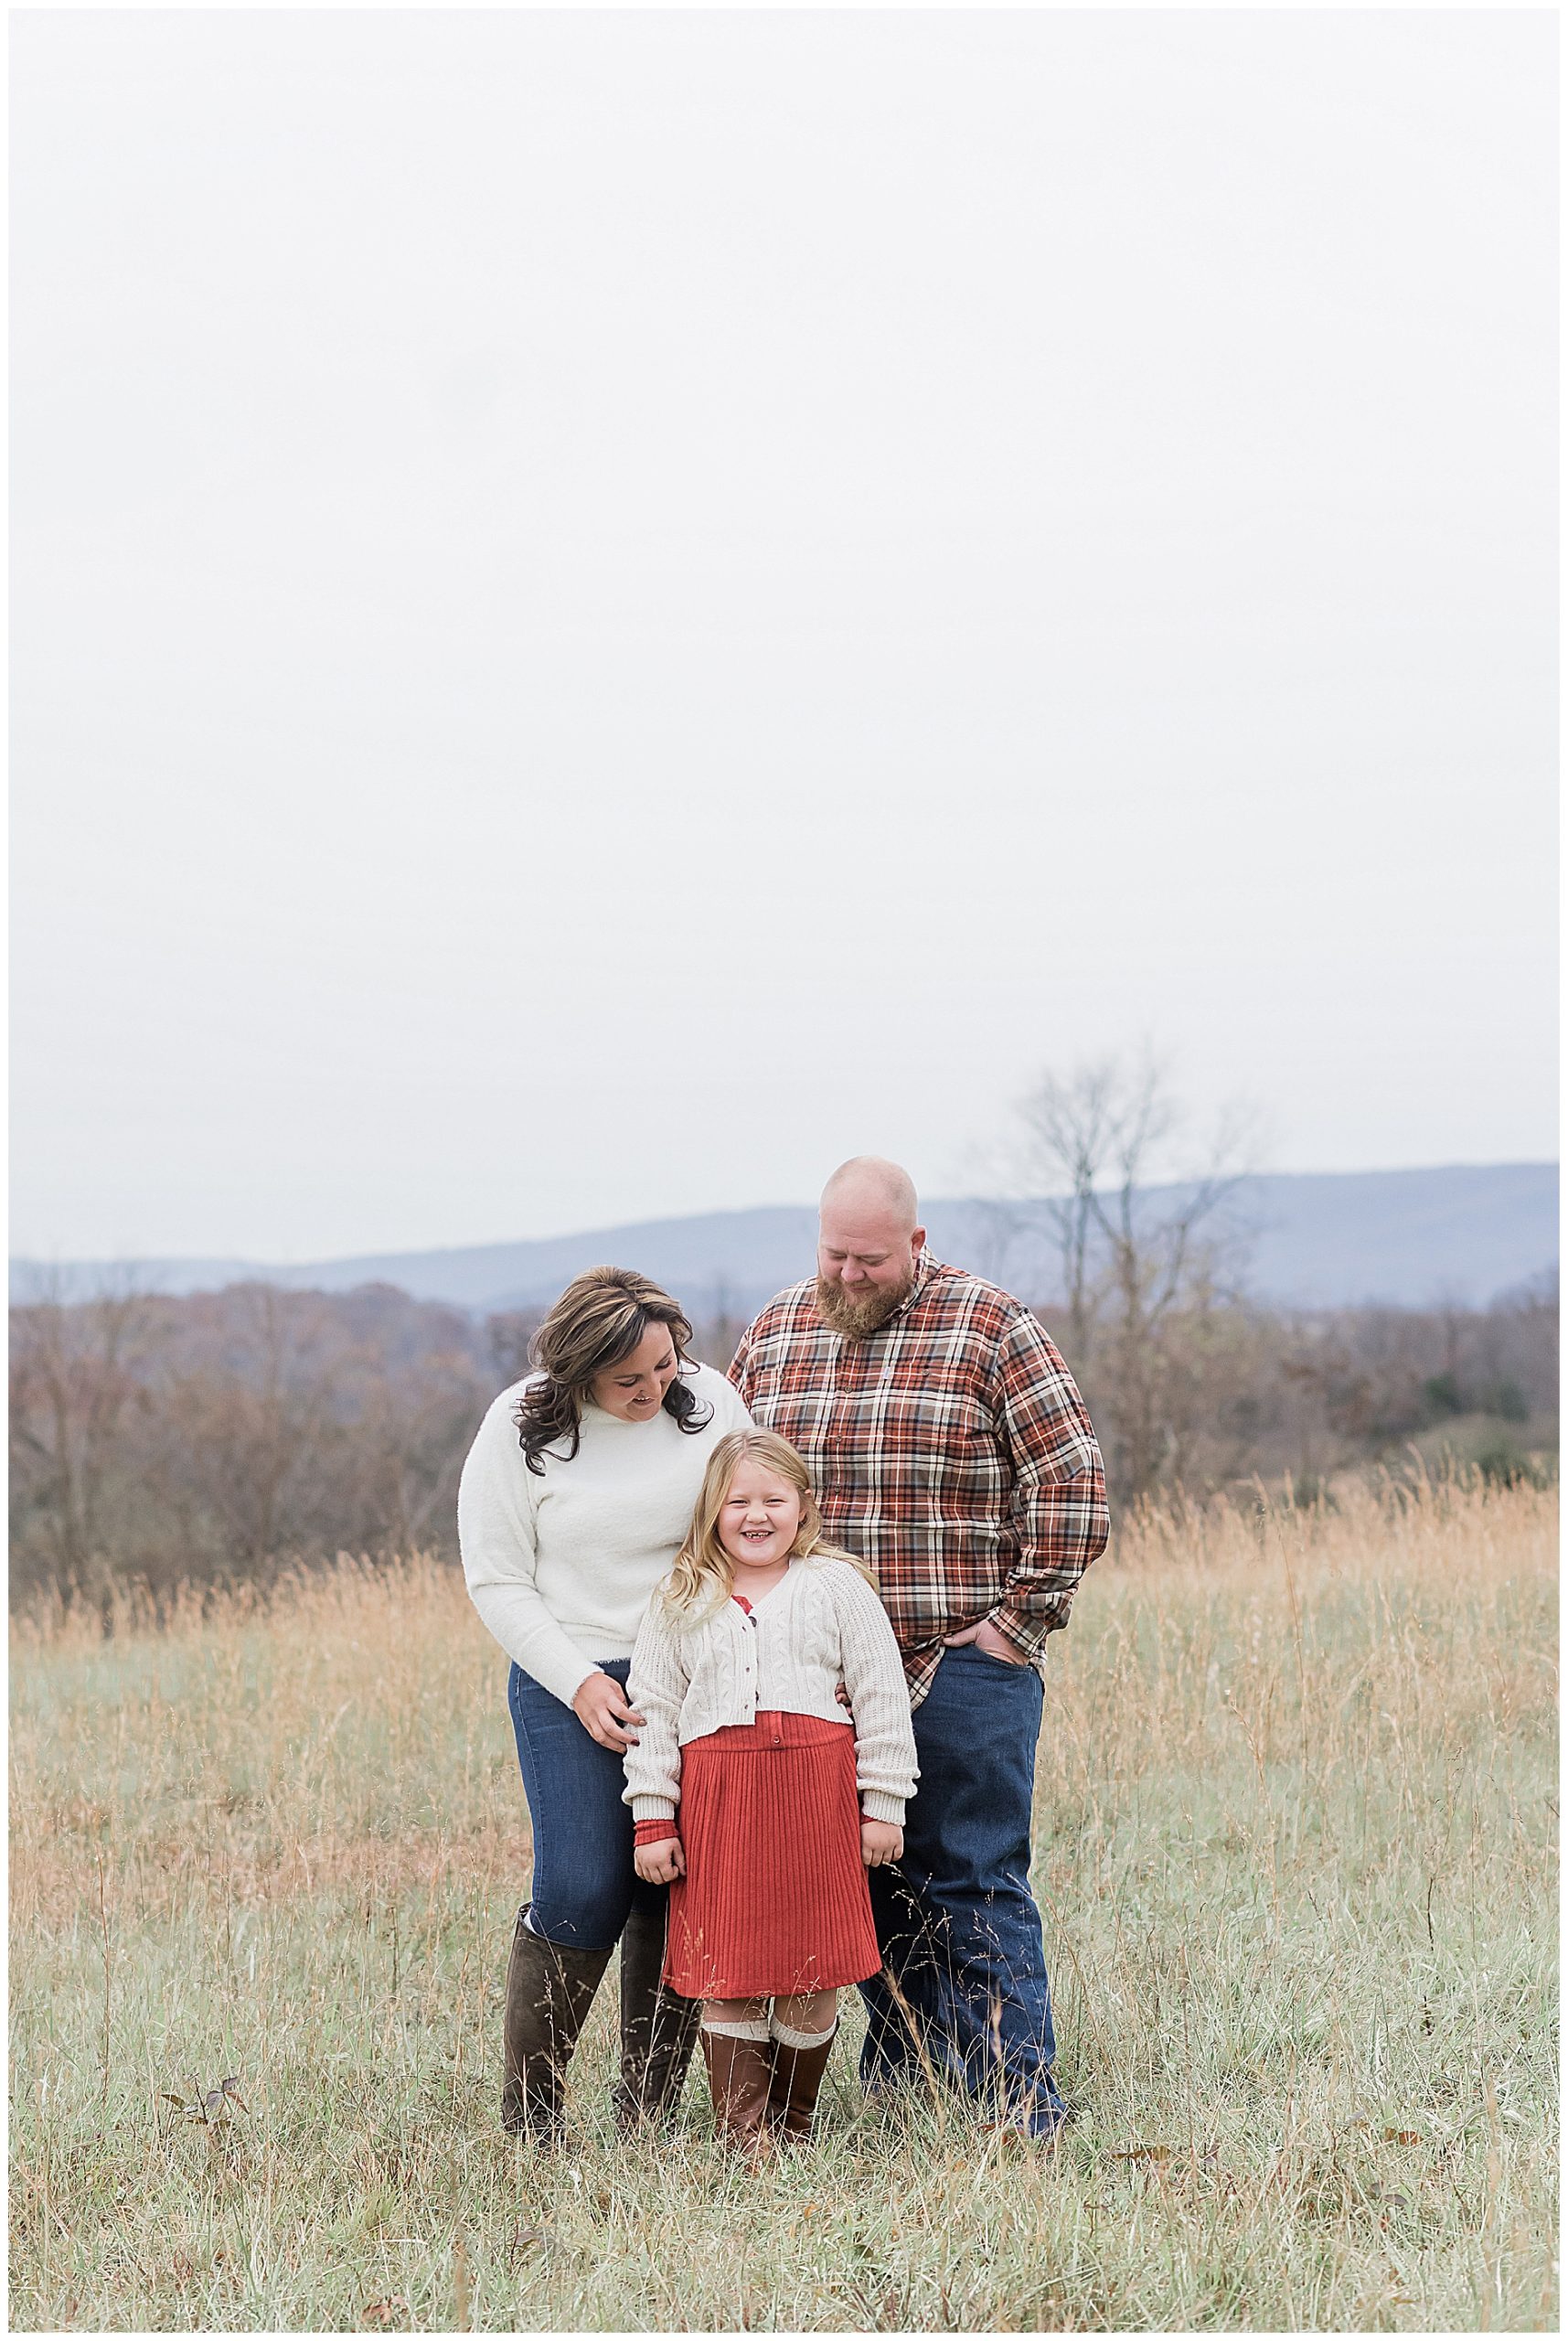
(774, 1898)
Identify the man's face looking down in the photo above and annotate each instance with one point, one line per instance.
(866, 1256)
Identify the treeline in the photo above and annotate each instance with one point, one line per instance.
(1229, 1392)
(219, 1436)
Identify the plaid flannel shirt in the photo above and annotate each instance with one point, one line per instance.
(950, 1450)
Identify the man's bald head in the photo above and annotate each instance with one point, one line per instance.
(870, 1182)
(868, 1244)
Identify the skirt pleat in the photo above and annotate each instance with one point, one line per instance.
(774, 1898)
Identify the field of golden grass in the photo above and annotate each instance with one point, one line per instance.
(1296, 1849)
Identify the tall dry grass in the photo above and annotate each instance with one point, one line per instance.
(1296, 1851)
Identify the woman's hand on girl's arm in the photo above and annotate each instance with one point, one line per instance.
(661, 1863)
(881, 1842)
(601, 1707)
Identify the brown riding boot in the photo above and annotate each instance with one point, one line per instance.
(549, 1993)
(796, 2078)
(738, 2073)
(658, 2029)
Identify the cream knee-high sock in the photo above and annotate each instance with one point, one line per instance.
(788, 2038)
(750, 2027)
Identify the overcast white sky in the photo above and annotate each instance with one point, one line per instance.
(610, 608)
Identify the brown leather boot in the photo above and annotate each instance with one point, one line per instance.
(796, 2078)
(549, 1993)
(658, 2029)
(738, 2073)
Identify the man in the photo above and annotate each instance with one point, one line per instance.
(951, 1450)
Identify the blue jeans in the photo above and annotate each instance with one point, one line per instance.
(584, 1887)
(958, 1927)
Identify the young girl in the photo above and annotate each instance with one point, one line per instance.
(784, 1802)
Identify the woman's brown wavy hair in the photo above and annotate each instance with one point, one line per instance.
(598, 1320)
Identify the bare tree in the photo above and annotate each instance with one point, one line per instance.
(509, 1334)
(1141, 1266)
(76, 1372)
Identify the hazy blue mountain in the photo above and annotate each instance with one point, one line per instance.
(1409, 1237)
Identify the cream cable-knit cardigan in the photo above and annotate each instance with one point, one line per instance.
(820, 1626)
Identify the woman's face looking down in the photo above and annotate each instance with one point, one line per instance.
(633, 1387)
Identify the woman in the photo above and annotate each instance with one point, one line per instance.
(574, 1499)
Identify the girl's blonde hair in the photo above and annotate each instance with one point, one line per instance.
(703, 1577)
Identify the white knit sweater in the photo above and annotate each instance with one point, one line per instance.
(821, 1625)
(560, 1566)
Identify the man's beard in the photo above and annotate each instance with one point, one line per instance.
(856, 1319)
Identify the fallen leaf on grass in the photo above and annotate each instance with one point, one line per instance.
(209, 2105)
(383, 2311)
(1403, 2137)
(1143, 2153)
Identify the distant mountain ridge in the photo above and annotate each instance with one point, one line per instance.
(1409, 1238)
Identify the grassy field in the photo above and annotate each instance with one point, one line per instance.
(1296, 1847)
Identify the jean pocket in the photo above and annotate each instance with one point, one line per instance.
(990, 1657)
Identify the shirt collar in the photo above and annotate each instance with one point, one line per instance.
(925, 1267)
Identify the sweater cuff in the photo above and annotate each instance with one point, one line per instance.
(876, 1804)
(653, 1808)
(655, 1831)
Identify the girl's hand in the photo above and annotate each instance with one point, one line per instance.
(599, 1705)
(661, 1863)
(881, 1842)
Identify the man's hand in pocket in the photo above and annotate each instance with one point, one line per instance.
(988, 1638)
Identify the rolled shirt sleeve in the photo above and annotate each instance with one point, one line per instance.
(1058, 1507)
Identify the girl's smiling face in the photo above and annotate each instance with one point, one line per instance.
(760, 1519)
